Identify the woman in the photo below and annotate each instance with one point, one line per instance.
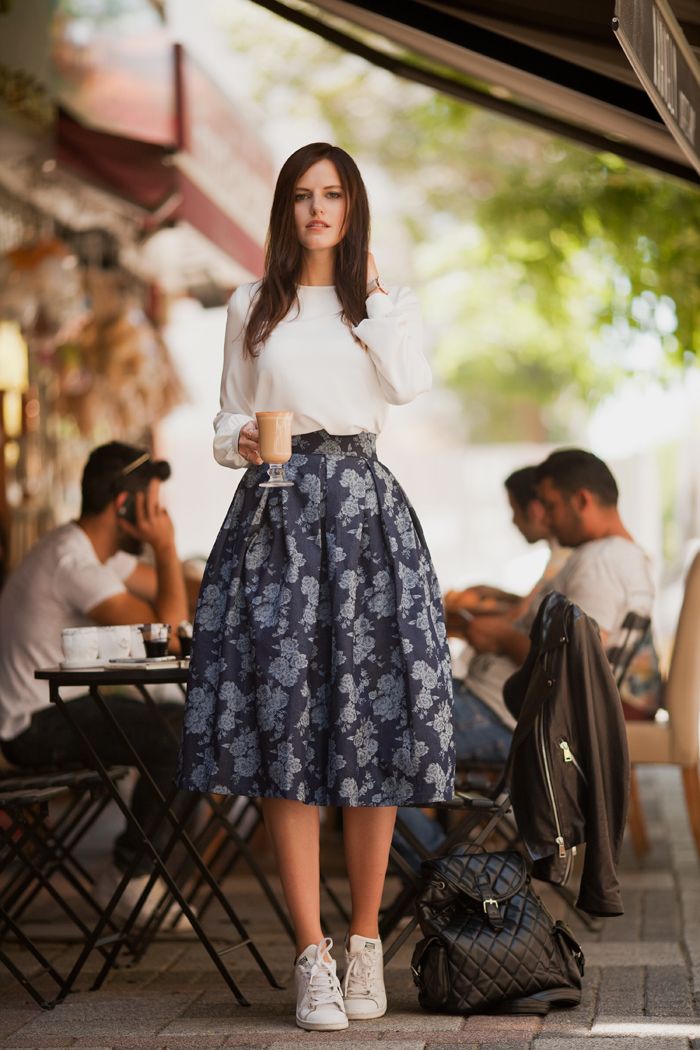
(320, 673)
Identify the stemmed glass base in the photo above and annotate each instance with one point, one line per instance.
(277, 478)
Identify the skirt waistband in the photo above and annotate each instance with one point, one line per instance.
(321, 443)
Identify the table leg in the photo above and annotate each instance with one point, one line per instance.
(179, 834)
(240, 843)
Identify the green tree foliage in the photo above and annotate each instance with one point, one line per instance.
(551, 273)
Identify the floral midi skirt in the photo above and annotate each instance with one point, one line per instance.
(320, 669)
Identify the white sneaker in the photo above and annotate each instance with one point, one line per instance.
(363, 984)
(319, 997)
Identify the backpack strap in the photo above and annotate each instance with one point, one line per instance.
(489, 903)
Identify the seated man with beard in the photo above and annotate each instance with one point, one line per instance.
(607, 574)
(81, 574)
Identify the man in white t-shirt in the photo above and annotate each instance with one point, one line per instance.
(82, 573)
(607, 575)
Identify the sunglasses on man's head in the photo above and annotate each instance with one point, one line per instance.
(138, 462)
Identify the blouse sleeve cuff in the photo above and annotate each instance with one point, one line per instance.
(379, 305)
(233, 458)
(227, 430)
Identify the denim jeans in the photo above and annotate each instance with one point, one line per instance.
(479, 736)
(51, 741)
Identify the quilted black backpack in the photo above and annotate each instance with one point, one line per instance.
(490, 945)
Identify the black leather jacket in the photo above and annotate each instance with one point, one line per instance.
(568, 771)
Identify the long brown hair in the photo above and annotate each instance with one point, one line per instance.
(283, 255)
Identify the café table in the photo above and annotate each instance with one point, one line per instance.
(143, 677)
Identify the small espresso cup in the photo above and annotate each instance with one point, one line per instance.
(114, 642)
(80, 644)
(184, 634)
(155, 638)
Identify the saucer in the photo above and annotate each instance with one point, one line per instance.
(81, 665)
(141, 661)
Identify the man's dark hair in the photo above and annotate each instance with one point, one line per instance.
(522, 486)
(115, 468)
(572, 469)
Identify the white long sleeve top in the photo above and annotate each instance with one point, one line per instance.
(312, 366)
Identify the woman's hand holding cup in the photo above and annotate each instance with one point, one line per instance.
(249, 443)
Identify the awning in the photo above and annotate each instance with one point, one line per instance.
(558, 66)
(143, 121)
(150, 177)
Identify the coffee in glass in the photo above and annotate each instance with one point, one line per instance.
(155, 638)
(275, 439)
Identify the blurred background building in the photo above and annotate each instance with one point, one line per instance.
(127, 179)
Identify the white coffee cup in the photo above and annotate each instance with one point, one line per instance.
(114, 642)
(80, 644)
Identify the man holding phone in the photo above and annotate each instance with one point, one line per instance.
(84, 573)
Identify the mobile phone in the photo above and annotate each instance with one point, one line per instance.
(465, 614)
(127, 511)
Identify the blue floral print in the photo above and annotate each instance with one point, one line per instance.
(320, 670)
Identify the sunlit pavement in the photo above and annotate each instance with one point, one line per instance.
(641, 989)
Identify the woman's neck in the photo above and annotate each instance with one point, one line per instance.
(318, 268)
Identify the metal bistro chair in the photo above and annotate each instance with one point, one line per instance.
(30, 857)
(634, 632)
(83, 800)
(17, 809)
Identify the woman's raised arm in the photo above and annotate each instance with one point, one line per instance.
(393, 333)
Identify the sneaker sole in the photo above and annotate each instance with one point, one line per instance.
(318, 1026)
(366, 1017)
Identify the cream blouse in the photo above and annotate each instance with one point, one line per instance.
(312, 366)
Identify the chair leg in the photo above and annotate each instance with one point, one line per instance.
(691, 786)
(637, 824)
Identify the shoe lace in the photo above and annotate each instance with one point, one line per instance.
(360, 974)
(323, 987)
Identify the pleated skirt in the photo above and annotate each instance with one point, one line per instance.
(320, 669)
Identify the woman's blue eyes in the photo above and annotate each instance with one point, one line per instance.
(304, 196)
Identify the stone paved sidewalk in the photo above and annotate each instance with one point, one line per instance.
(641, 990)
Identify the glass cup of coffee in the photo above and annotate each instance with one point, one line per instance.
(184, 633)
(155, 639)
(275, 437)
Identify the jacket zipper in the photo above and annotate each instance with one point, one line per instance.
(570, 757)
(550, 790)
